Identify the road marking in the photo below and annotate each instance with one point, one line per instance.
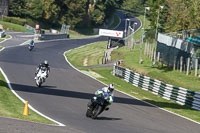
(6, 39)
(2, 49)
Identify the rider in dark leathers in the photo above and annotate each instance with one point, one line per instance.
(43, 64)
(109, 89)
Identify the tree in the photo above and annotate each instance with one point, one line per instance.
(74, 12)
(136, 5)
(17, 8)
(100, 10)
(183, 15)
(155, 14)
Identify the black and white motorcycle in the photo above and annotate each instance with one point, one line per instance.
(41, 76)
(99, 104)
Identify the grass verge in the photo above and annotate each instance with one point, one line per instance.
(121, 85)
(11, 106)
(92, 55)
(165, 74)
(6, 37)
(13, 27)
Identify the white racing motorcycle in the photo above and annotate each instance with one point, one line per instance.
(41, 76)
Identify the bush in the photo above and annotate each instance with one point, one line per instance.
(14, 20)
(31, 22)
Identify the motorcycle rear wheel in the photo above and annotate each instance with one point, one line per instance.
(88, 113)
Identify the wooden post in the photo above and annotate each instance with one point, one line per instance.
(196, 67)
(174, 66)
(188, 66)
(168, 61)
(181, 63)
(145, 48)
(154, 56)
(149, 49)
(152, 53)
(199, 70)
(158, 57)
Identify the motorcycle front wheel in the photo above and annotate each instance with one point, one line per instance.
(96, 111)
(38, 83)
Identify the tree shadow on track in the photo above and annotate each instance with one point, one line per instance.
(52, 90)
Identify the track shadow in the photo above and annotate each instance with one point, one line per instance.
(47, 86)
(107, 118)
(50, 90)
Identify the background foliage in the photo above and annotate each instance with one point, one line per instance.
(76, 13)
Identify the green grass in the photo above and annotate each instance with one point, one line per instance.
(6, 37)
(165, 74)
(11, 106)
(93, 54)
(1, 47)
(13, 27)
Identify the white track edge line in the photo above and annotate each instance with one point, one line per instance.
(6, 39)
(124, 92)
(9, 85)
(2, 49)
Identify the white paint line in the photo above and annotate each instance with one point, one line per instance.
(2, 49)
(124, 92)
(9, 85)
(24, 43)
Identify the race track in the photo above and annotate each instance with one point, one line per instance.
(65, 94)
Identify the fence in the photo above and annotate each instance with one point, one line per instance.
(180, 95)
(170, 48)
(53, 36)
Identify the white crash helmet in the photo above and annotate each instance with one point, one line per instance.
(46, 62)
(111, 88)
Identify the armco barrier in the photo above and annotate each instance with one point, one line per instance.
(178, 94)
(2, 34)
(53, 36)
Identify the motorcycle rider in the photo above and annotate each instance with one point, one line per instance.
(32, 43)
(109, 90)
(41, 65)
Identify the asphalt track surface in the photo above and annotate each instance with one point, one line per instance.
(64, 96)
